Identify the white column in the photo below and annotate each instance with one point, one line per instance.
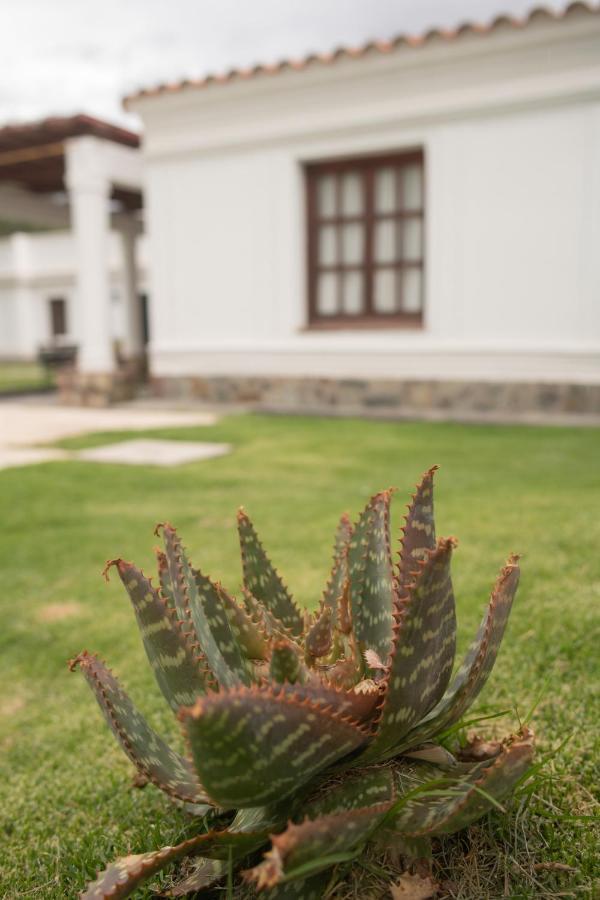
(89, 194)
(27, 338)
(133, 339)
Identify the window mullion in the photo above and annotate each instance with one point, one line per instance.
(369, 238)
(400, 240)
(338, 245)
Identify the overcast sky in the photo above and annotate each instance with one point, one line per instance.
(66, 56)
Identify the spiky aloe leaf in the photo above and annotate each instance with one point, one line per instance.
(347, 703)
(424, 644)
(179, 569)
(200, 603)
(248, 634)
(344, 613)
(267, 621)
(204, 874)
(317, 844)
(371, 576)
(164, 577)
(477, 664)
(252, 747)
(153, 758)
(285, 664)
(262, 580)
(453, 803)
(348, 670)
(215, 633)
(339, 573)
(259, 823)
(366, 787)
(319, 639)
(121, 878)
(178, 672)
(432, 753)
(418, 534)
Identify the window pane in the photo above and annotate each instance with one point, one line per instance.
(385, 241)
(412, 187)
(353, 243)
(412, 239)
(352, 194)
(327, 245)
(327, 294)
(326, 195)
(353, 293)
(384, 296)
(385, 191)
(411, 291)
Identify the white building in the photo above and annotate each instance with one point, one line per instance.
(413, 223)
(406, 226)
(70, 270)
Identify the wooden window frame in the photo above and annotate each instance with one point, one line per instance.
(367, 167)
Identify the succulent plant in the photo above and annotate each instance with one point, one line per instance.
(316, 733)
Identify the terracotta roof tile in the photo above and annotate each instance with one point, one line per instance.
(379, 46)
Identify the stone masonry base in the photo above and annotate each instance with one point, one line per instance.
(420, 399)
(101, 388)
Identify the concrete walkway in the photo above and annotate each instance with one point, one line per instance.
(25, 424)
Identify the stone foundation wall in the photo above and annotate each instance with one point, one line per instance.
(102, 388)
(436, 399)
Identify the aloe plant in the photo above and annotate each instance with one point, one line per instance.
(311, 733)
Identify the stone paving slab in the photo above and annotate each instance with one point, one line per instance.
(28, 423)
(146, 452)
(28, 456)
(25, 423)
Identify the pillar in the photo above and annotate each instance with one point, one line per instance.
(89, 194)
(28, 337)
(133, 339)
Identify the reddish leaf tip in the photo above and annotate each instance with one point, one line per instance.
(190, 712)
(166, 526)
(77, 660)
(109, 563)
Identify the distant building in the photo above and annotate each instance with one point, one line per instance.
(413, 223)
(70, 270)
(409, 226)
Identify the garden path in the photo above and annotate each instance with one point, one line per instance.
(26, 425)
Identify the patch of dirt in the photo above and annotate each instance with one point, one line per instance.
(11, 705)
(56, 612)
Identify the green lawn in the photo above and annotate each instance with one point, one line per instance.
(23, 376)
(66, 801)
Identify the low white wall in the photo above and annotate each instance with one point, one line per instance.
(37, 267)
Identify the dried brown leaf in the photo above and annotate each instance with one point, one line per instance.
(414, 887)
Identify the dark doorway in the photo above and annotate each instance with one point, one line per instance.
(58, 318)
(145, 325)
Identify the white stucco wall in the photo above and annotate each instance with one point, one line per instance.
(510, 127)
(37, 267)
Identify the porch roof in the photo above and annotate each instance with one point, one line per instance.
(32, 155)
